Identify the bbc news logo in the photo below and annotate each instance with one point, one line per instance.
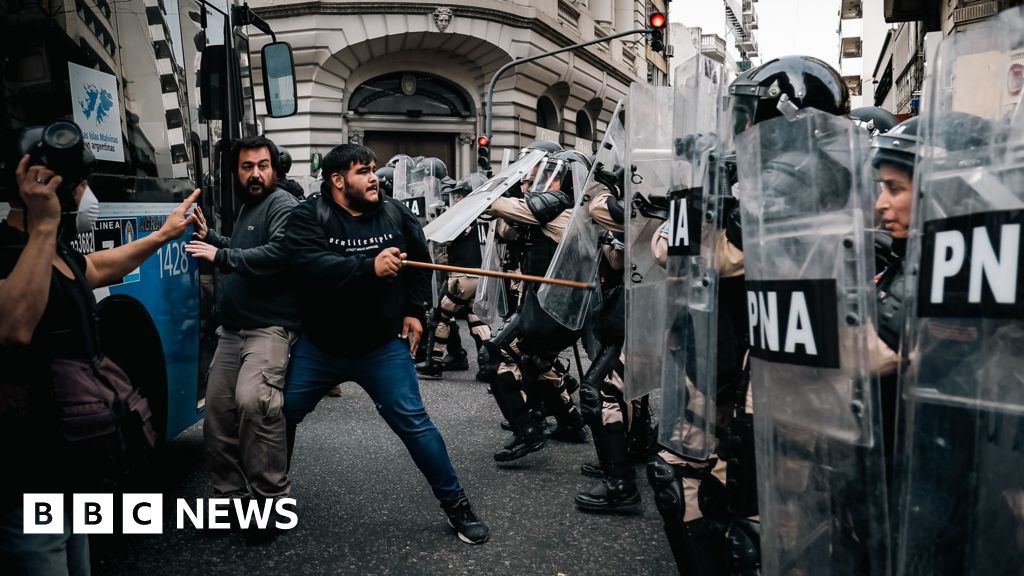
(144, 513)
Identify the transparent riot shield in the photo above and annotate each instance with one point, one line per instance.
(491, 303)
(579, 255)
(961, 508)
(449, 225)
(692, 238)
(806, 208)
(648, 181)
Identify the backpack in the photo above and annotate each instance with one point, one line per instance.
(101, 412)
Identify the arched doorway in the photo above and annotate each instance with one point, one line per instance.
(397, 107)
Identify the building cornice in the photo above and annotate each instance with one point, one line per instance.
(476, 12)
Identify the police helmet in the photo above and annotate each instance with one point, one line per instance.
(437, 167)
(874, 119)
(396, 159)
(284, 160)
(386, 175)
(545, 145)
(796, 82)
(571, 157)
(897, 146)
(470, 183)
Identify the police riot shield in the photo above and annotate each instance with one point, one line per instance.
(648, 180)
(692, 239)
(961, 508)
(449, 225)
(418, 188)
(579, 254)
(806, 210)
(491, 303)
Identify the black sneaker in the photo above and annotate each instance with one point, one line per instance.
(465, 523)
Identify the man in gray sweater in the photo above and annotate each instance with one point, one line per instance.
(244, 427)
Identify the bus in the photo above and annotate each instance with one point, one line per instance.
(160, 89)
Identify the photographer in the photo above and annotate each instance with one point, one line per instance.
(46, 318)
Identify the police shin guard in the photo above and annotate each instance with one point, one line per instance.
(528, 429)
(618, 491)
(693, 544)
(641, 431)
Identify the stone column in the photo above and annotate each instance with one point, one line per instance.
(466, 164)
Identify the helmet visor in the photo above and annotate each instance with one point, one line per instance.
(548, 175)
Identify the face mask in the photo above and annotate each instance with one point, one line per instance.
(88, 211)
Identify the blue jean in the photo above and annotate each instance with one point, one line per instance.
(388, 375)
(64, 554)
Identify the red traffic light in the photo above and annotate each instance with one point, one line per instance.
(483, 141)
(658, 20)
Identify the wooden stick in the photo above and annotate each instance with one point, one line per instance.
(496, 274)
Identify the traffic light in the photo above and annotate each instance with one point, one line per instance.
(656, 22)
(483, 152)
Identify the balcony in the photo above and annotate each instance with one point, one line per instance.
(851, 10)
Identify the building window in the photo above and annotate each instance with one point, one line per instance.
(852, 10)
(411, 94)
(852, 48)
(547, 114)
(584, 127)
(853, 83)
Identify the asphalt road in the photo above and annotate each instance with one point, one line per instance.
(363, 507)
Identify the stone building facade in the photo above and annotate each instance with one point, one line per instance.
(411, 77)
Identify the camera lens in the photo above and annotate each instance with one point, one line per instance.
(62, 136)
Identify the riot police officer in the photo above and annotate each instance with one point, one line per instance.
(283, 181)
(530, 343)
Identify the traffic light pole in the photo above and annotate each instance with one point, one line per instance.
(514, 63)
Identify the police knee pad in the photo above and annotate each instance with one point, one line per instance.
(668, 491)
(744, 548)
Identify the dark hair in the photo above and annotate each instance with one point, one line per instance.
(908, 171)
(343, 156)
(255, 143)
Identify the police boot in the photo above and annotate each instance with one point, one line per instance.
(456, 358)
(641, 432)
(617, 492)
(432, 368)
(529, 433)
(457, 361)
(486, 368)
(570, 429)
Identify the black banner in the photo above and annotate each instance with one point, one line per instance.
(970, 266)
(794, 321)
(685, 212)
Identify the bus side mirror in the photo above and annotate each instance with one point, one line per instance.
(279, 80)
(213, 82)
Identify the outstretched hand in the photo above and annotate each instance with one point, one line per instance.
(177, 222)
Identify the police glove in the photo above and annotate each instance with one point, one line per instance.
(654, 207)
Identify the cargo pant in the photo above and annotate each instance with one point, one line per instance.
(244, 428)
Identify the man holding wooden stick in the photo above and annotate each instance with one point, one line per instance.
(362, 316)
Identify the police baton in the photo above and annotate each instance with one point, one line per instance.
(496, 274)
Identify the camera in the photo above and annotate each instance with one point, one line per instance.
(60, 147)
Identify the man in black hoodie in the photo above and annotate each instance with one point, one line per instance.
(362, 315)
(244, 427)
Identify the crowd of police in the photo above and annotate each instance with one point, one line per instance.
(825, 305)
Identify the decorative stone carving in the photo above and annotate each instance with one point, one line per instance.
(465, 138)
(355, 136)
(443, 17)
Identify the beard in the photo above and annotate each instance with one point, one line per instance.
(358, 198)
(255, 187)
